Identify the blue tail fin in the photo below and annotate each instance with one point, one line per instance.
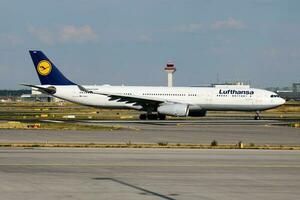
(47, 71)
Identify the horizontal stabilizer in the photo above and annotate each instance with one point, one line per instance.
(48, 90)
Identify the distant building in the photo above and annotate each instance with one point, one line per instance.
(41, 98)
(296, 87)
(293, 94)
(38, 96)
(11, 95)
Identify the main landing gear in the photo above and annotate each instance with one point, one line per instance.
(257, 117)
(151, 116)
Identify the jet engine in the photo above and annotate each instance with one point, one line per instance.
(179, 110)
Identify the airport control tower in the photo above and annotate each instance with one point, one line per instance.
(170, 69)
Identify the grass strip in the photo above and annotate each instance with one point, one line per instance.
(56, 126)
(146, 145)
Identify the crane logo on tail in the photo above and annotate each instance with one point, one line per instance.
(44, 67)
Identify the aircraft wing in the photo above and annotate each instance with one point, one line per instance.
(133, 99)
(130, 99)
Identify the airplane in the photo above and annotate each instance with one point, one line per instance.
(155, 102)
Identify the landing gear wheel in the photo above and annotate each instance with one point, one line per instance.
(257, 117)
(161, 117)
(143, 116)
(152, 116)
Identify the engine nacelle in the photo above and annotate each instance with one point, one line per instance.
(179, 110)
(197, 113)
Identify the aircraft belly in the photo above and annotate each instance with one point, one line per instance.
(236, 107)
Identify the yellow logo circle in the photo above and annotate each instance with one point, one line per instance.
(44, 67)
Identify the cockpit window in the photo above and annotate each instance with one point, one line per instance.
(274, 95)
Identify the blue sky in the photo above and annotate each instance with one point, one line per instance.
(129, 41)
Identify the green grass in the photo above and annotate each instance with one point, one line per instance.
(58, 111)
(67, 126)
(145, 145)
(31, 111)
(56, 126)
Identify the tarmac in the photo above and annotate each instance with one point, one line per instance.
(191, 131)
(67, 173)
(148, 174)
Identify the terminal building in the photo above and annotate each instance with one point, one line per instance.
(293, 94)
(38, 96)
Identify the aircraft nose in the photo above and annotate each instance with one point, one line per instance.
(281, 101)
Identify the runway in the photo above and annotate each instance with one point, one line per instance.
(148, 174)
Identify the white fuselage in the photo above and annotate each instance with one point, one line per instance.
(204, 98)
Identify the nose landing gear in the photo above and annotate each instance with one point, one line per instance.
(257, 116)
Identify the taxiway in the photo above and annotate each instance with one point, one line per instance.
(194, 131)
(148, 174)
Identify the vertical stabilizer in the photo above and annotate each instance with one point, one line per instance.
(47, 71)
